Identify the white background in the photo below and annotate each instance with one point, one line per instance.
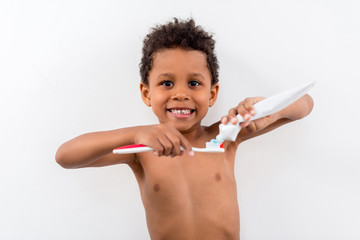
(71, 67)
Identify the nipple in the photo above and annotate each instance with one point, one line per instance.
(156, 187)
(218, 177)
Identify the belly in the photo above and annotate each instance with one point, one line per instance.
(192, 215)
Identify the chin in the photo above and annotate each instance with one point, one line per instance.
(183, 127)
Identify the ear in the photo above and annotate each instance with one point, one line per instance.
(213, 94)
(145, 94)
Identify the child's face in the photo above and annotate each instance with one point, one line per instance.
(179, 89)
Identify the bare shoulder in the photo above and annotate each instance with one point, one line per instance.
(212, 130)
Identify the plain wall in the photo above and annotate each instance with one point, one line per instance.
(71, 67)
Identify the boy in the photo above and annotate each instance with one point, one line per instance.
(185, 195)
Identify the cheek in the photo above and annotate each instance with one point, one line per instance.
(157, 99)
(203, 104)
(203, 99)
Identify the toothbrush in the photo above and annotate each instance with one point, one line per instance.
(263, 108)
(138, 148)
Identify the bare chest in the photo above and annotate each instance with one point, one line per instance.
(187, 175)
(204, 180)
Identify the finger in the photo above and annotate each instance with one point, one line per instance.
(167, 145)
(183, 141)
(232, 115)
(245, 115)
(224, 119)
(176, 143)
(242, 109)
(158, 148)
(245, 124)
(249, 106)
(187, 148)
(186, 145)
(253, 101)
(257, 99)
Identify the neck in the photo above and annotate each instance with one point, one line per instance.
(193, 133)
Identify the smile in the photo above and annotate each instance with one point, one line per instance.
(181, 112)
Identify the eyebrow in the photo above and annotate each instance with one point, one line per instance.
(197, 75)
(165, 75)
(172, 75)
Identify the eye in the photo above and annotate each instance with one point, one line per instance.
(194, 83)
(167, 84)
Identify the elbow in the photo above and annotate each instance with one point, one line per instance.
(309, 103)
(303, 107)
(61, 158)
(307, 106)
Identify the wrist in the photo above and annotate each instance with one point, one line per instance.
(125, 136)
(277, 116)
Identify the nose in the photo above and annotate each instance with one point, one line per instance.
(180, 94)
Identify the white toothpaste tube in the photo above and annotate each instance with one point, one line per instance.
(263, 108)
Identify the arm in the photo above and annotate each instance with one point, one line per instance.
(299, 109)
(95, 149)
(295, 111)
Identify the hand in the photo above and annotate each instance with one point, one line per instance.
(165, 139)
(246, 110)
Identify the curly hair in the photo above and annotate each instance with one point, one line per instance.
(178, 34)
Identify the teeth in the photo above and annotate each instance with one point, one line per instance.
(183, 111)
